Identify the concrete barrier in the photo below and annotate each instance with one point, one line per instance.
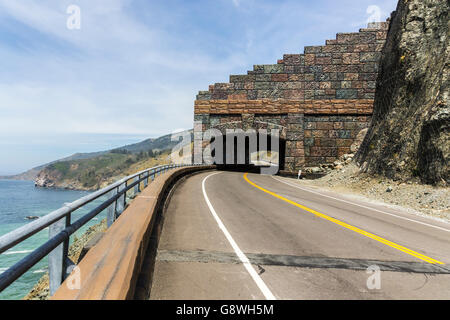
(110, 270)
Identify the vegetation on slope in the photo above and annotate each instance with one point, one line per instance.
(95, 173)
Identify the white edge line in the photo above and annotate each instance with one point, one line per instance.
(259, 282)
(360, 205)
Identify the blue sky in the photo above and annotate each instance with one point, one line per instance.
(133, 69)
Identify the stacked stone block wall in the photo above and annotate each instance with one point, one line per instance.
(329, 137)
(344, 68)
(321, 98)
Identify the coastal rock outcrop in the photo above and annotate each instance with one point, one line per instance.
(410, 131)
(47, 178)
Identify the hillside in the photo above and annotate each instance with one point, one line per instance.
(158, 144)
(95, 173)
(162, 143)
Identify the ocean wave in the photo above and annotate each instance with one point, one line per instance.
(17, 252)
(3, 270)
(40, 271)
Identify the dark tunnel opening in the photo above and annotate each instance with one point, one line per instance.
(255, 152)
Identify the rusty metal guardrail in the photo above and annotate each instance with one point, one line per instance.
(61, 227)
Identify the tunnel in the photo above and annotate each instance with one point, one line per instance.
(243, 151)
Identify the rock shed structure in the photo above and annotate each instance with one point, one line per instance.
(320, 100)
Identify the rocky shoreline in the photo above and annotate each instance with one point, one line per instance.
(52, 179)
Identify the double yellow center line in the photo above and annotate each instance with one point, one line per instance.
(348, 226)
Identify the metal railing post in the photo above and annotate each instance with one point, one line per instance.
(120, 202)
(111, 211)
(57, 258)
(146, 179)
(125, 196)
(137, 187)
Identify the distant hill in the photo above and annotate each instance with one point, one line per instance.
(94, 173)
(160, 144)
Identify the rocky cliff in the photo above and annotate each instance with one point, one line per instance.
(410, 131)
(52, 178)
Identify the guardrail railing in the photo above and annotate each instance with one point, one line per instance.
(61, 228)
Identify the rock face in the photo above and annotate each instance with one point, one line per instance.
(410, 131)
(51, 178)
(47, 178)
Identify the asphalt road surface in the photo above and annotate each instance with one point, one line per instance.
(231, 235)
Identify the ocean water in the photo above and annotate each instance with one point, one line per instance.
(19, 199)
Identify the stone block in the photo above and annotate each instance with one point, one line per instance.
(296, 94)
(325, 85)
(361, 48)
(368, 76)
(294, 59)
(295, 127)
(263, 77)
(258, 68)
(242, 78)
(313, 49)
(323, 60)
(319, 133)
(348, 38)
(327, 142)
(351, 126)
(311, 85)
(330, 68)
(351, 76)
(357, 84)
(369, 56)
(309, 142)
(331, 49)
(252, 94)
(295, 85)
(204, 96)
(324, 125)
(273, 68)
(295, 118)
(298, 152)
(223, 86)
(310, 59)
(367, 37)
(346, 94)
(279, 77)
(370, 84)
(319, 76)
(350, 58)
(289, 69)
(296, 77)
(263, 85)
(219, 95)
(294, 136)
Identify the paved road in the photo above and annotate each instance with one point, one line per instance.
(228, 235)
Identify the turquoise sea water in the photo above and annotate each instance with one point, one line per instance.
(19, 199)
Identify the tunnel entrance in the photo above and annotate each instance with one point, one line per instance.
(250, 152)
